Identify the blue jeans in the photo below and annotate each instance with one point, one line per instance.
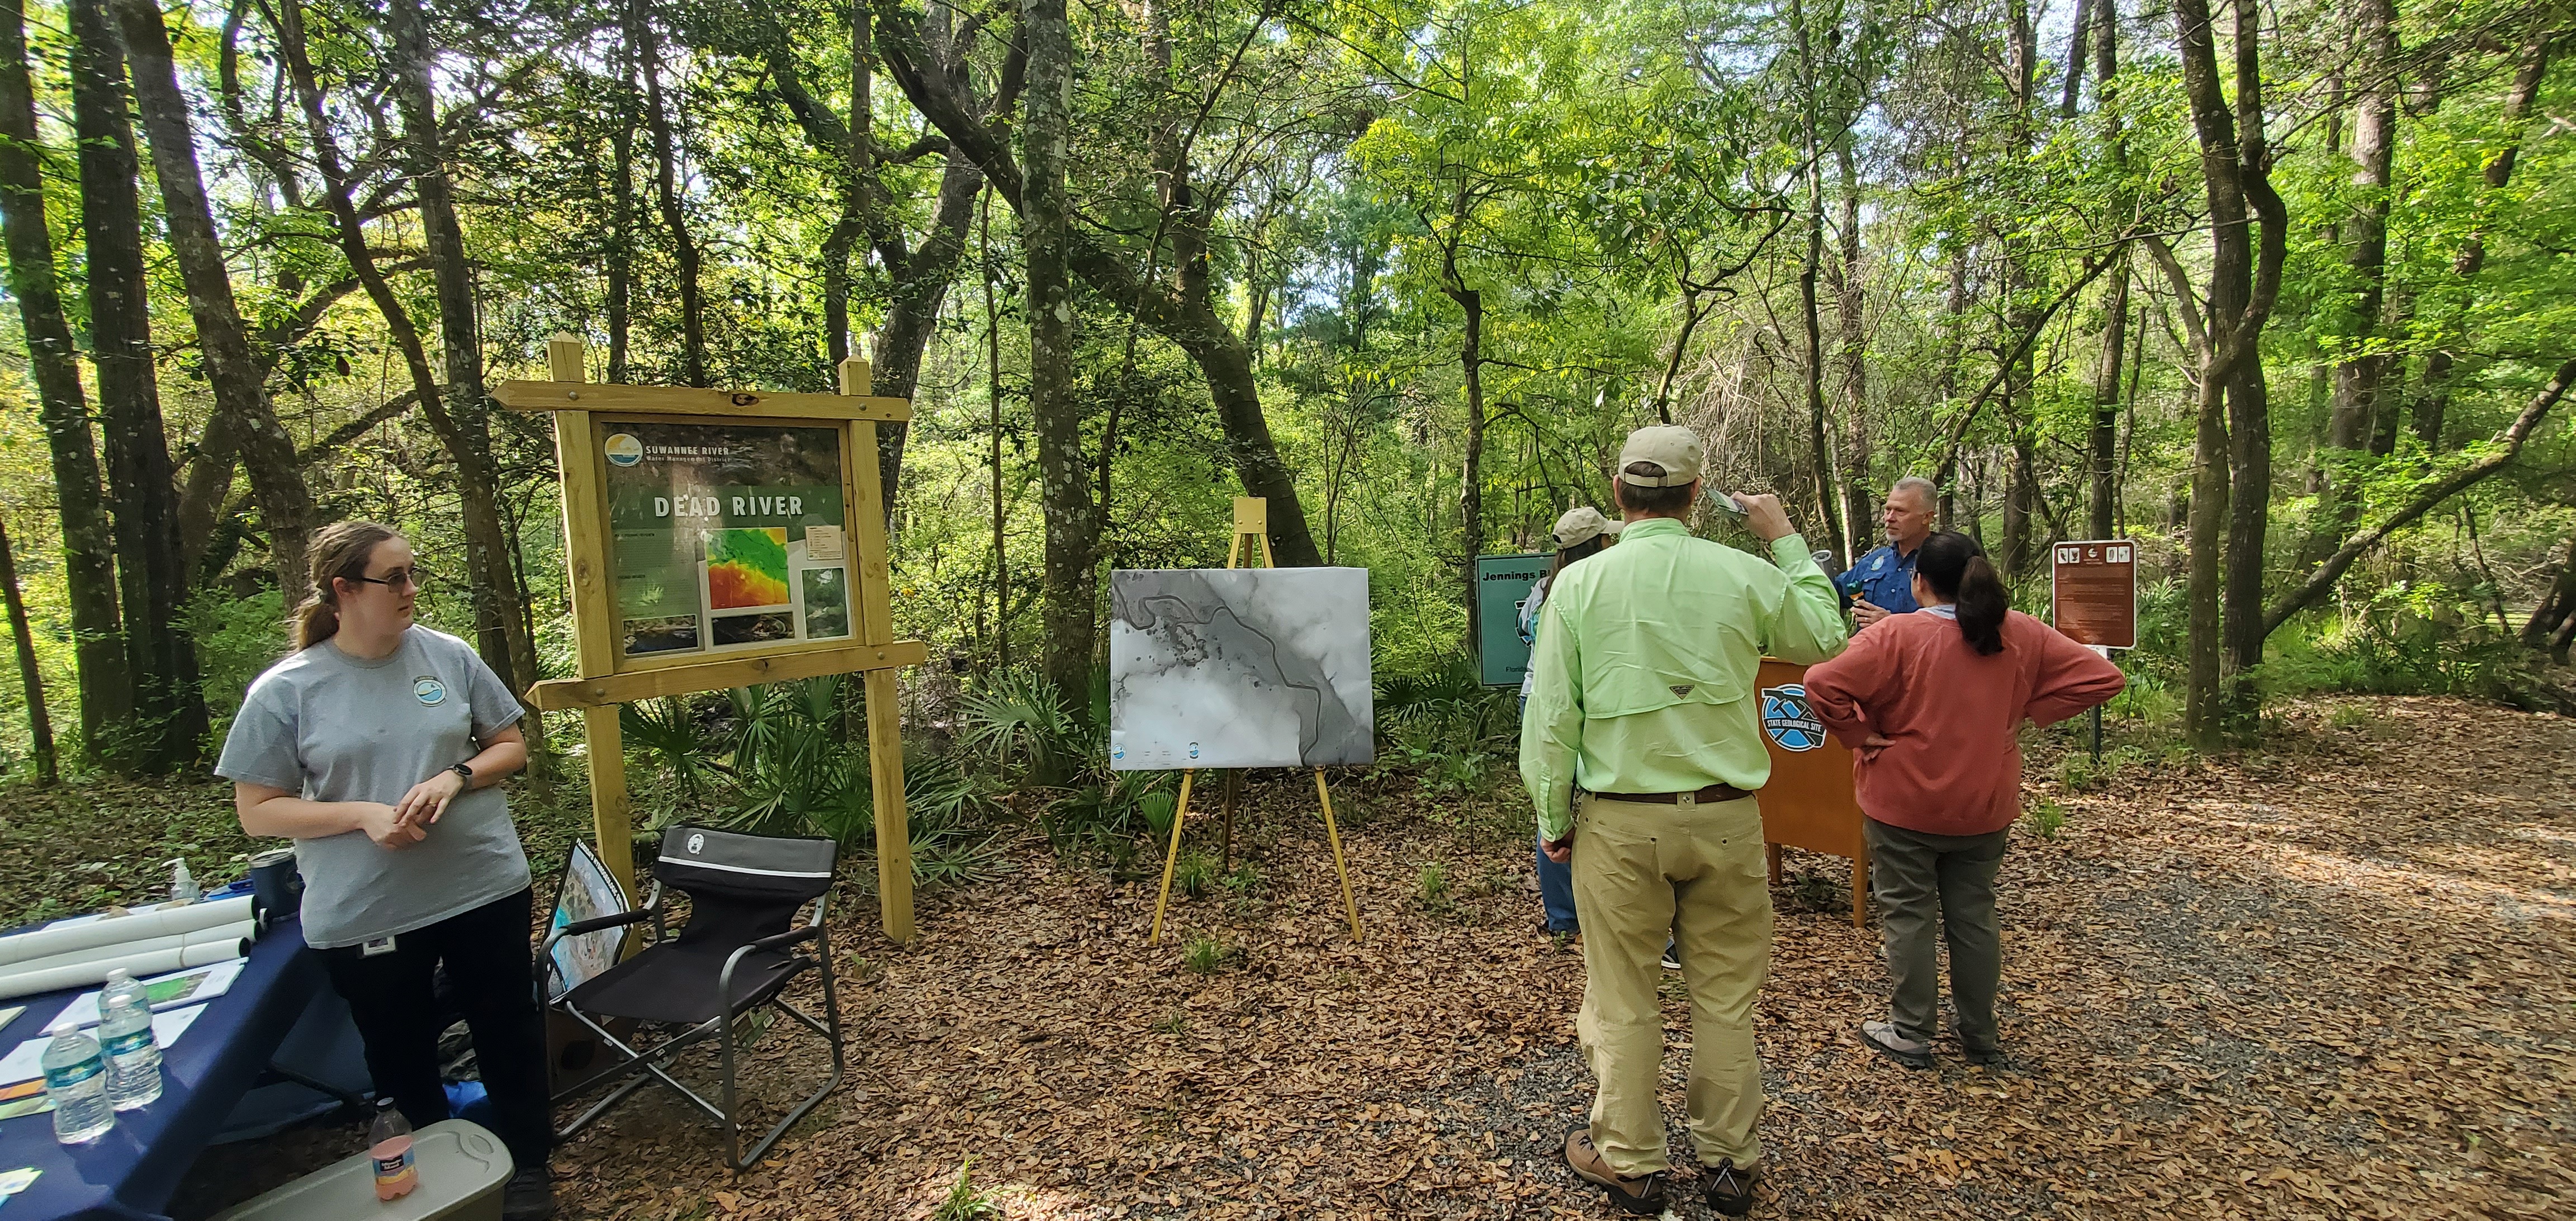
(1555, 883)
(1556, 890)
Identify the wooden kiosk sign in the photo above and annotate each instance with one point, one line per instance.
(716, 539)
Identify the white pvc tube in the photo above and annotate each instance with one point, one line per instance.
(60, 939)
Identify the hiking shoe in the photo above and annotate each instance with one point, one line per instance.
(1642, 1195)
(529, 1196)
(1730, 1191)
(1911, 1053)
(1672, 957)
(1991, 1057)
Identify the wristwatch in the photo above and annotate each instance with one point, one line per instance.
(464, 772)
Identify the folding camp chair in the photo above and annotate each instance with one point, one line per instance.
(735, 955)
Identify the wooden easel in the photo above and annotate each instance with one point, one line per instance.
(1251, 520)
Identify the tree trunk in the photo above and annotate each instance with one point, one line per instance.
(242, 406)
(120, 319)
(89, 570)
(1190, 323)
(1046, 219)
(993, 400)
(2435, 400)
(666, 195)
(1859, 505)
(1819, 454)
(2556, 606)
(1954, 310)
(2357, 376)
(2249, 485)
(2244, 281)
(620, 254)
(155, 566)
(40, 723)
(2102, 454)
(1471, 370)
(500, 605)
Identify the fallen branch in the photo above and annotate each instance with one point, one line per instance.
(2509, 443)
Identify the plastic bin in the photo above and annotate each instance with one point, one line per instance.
(462, 1171)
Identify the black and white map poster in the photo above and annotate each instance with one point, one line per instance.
(1243, 667)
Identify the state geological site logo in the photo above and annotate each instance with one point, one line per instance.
(1789, 719)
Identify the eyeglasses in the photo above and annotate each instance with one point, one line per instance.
(415, 576)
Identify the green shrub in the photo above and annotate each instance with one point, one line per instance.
(1432, 886)
(1193, 873)
(1205, 955)
(2045, 817)
(964, 1202)
(1244, 881)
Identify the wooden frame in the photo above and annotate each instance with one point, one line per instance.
(607, 678)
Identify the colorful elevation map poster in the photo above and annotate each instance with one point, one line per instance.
(725, 536)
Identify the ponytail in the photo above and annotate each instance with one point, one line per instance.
(339, 552)
(1981, 605)
(1957, 569)
(314, 622)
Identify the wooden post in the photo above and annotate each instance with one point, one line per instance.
(1334, 835)
(1180, 814)
(1233, 788)
(594, 627)
(867, 518)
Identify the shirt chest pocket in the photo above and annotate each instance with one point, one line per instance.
(1634, 685)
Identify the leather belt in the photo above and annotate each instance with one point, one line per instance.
(1713, 793)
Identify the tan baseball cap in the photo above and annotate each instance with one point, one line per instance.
(1582, 525)
(1674, 448)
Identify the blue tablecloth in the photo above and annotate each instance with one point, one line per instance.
(129, 1173)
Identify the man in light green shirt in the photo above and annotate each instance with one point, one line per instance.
(1644, 703)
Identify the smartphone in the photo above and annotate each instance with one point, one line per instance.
(1727, 502)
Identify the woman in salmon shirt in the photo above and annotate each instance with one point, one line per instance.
(1930, 703)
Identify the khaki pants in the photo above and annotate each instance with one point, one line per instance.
(1697, 872)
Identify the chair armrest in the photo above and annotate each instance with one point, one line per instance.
(788, 938)
(596, 923)
(724, 978)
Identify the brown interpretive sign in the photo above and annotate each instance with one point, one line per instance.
(2093, 592)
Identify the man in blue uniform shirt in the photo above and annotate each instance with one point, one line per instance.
(1882, 583)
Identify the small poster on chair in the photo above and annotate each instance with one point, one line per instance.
(588, 891)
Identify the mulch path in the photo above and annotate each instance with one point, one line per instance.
(2329, 979)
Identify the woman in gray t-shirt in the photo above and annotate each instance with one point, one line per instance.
(378, 746)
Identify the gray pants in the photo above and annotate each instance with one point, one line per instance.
(1918, 878)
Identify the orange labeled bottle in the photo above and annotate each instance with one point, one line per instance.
(389, 1144)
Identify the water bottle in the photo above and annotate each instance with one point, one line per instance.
(389, 1144)
(120, 982)
(76, 1081)
(133, 1058)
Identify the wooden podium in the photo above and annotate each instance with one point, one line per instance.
(1809, 802)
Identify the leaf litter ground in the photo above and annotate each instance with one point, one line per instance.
(2330, 979)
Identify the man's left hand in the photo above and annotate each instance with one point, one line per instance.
(1560, 851)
